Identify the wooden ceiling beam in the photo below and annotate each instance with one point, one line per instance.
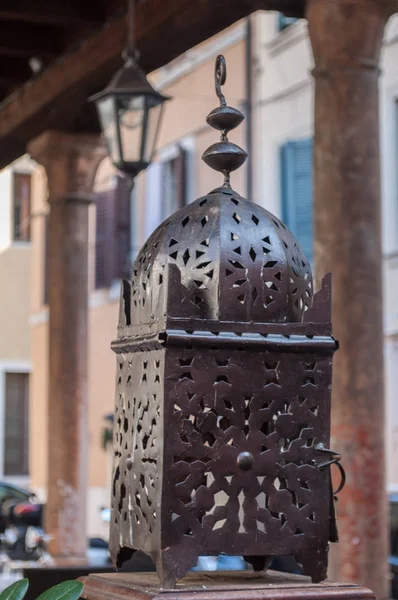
(28, 40)
(70, 12)
(61, 90)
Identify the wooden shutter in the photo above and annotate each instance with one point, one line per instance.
(113, 232)
(122, 265)
(297, 193)
(16, 429)
(285, 22)
(105, 239)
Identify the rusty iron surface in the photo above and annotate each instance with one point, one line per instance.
(191, 403)
(222, 426)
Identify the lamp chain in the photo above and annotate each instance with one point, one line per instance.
(132, 52)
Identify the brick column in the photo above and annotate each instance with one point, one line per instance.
(70, 162)
(346, 37)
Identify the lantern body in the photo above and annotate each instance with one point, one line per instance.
(130, 111)
(223, 395)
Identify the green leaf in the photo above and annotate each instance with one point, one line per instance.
(68, 590)
(15, 591)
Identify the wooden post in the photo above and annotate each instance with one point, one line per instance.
(70, 162)
(346, 37)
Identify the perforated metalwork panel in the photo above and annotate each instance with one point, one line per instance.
(223, 395)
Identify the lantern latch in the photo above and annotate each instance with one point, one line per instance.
(334, 459)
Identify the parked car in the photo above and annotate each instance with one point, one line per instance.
(12, 492)
(10, 496)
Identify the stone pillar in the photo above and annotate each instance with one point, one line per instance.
(70, 162)
(346, 37)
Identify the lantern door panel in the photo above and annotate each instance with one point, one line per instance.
(240, 446)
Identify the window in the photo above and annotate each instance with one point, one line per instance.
(285, 22)
(173, 184)
(296, 180)
(16, 427)
(113, 232)
(21, 207)
(166, 188)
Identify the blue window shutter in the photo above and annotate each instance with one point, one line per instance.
(297, 195)
(285, 22)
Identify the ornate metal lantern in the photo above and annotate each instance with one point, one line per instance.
(224, 372)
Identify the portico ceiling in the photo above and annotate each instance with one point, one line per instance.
(54, 54)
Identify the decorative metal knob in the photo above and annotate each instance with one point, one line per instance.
(245, 461)
(224, 156)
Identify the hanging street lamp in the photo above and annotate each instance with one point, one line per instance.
(130, 111)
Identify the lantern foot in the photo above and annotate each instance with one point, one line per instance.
(314, 563)
(173, 564)
(167, 579)
(259, 563)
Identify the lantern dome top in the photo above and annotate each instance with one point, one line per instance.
(221, 258)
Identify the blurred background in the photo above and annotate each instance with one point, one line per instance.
(269, 59)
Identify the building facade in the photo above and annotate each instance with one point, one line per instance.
(15, 348)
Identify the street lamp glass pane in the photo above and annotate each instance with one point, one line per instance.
(107, 116)
(154, 117)
(131, 119)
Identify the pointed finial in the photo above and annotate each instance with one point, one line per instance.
(224, 156)
(220, 76)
